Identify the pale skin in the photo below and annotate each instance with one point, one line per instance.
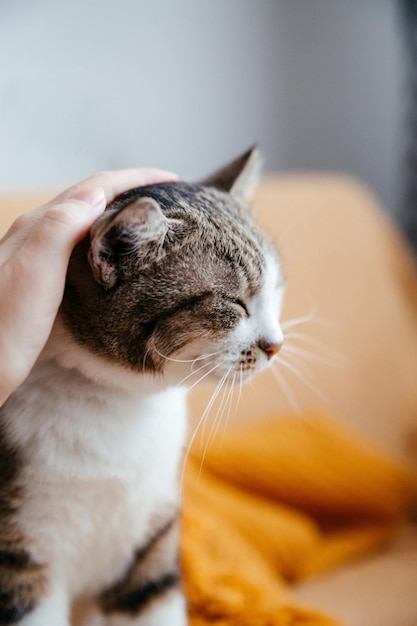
(34, 255)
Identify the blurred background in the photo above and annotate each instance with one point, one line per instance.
(96, 84)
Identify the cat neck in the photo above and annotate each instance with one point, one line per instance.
(75, 420)
(108, 378)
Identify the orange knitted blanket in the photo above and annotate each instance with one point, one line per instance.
(276, 502)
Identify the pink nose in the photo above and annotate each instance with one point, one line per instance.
(270, 349)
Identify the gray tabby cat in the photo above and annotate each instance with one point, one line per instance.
(174, 278)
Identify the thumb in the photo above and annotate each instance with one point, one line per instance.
(65, 223)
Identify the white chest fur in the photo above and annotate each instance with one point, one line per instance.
(100, 463)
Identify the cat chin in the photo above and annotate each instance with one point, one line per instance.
(69, 354)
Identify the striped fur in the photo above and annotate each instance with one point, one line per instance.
(22, 581)
(153, 573)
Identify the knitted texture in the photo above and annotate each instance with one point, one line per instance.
(276, 502)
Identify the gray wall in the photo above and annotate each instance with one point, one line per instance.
(186, 84)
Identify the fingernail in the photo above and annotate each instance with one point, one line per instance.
(94, 197)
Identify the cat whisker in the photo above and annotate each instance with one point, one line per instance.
(240, 384)
(292, 368)
(225, 404)
(230, 403)
(302, 319)
(219, 415)
(312, 356)
(290, 357)
(202, 357)
(213, 399)
(327, 352)
(144, 359)
(193, 372)
(169, 358)
(202, 377)
(318, 353)
(197, 429)
(286, 389)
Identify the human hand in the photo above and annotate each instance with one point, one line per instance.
(34, 256)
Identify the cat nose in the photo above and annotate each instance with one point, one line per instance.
(270, 348)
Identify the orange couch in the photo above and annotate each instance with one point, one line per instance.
(350, 352)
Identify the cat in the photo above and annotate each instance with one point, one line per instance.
(174, 280)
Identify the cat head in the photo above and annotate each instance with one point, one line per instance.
(175, 276)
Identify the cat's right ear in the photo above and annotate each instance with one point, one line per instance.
(136, 229)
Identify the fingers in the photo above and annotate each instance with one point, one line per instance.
(33, 279)
(64, 220)
(55, 227)
(39, 265)
(62, 225)
(44, 238)
(110, 183)
(115, 183)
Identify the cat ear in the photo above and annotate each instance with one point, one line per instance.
(135, 229)
(240, 177)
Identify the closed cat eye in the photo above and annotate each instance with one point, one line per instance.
(242, 305)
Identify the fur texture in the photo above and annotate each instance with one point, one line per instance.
(174, 282)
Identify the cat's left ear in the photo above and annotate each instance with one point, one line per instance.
(240, 177)
(138, 229)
